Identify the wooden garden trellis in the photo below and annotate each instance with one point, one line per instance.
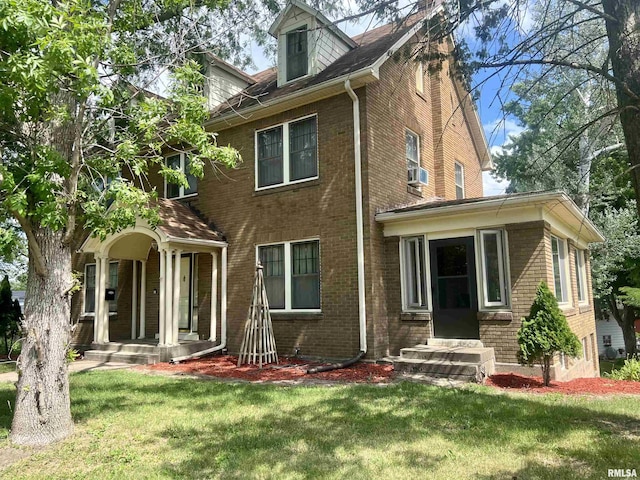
(259, 344)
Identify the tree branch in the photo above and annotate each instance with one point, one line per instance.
(36, 252)
(601, 14)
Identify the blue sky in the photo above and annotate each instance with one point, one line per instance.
(497, 128)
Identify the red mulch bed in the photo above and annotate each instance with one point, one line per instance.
(578, 386)
(225, 366)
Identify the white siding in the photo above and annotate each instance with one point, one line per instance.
(329, 48)
(609, 327)
(221, 85)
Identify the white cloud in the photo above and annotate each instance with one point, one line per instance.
(491, 186)
(500, 130)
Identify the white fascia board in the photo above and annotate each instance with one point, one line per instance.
(196, 242)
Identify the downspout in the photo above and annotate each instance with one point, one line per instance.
(362, 306)
(223, 318)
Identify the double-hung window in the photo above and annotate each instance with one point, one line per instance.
(297, 53)
(581, 275)
(494, 272)
(90, 287)
(292, 275)
(559, 260)
(459, 180)
(415, 273)
(412, 144)
(287, 153)
(420, 77)
(180, 161)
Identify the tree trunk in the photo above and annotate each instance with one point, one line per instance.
(42, 413)
(624, 48)
(546, 370)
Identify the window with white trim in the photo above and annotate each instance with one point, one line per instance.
(412, 144)
(287, 153)
(415, 273)
(459, 180)
(494, 272)
(297, 53)
(90, 287)
(559, 260)
(606, 340)
(292, 275)
(420, 77)
(581, 275)
(180, 161)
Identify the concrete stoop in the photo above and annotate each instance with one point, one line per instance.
(456, 363)
(141, 353)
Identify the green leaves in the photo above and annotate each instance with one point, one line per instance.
(545, 331)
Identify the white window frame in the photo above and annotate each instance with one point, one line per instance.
(565, 298)
(403, 278)
(581, 275)
(287, 274)
(420, 77)
(285, 154)
(84, 289)
(415, 181)
(183, 165)
(455, 179)
(503, 270)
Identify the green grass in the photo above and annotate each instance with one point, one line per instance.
(130, 425)
(7, 367)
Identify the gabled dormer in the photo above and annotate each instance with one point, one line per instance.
(308, 42)
(223, 80)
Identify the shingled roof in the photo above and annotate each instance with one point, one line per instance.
(372, 45)
(179, 222)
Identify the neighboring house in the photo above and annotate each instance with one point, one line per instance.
(610, 337)
(361, 194)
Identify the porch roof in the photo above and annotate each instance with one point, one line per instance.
(555, 208)
(180, 227)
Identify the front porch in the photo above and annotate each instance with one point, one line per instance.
(143, 351)
(158, 292)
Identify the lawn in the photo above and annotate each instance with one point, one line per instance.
(131, 425)
(7, 367)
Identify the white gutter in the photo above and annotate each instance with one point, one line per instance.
(357, 154)
(223, 317)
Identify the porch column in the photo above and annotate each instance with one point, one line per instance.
(143, 299)
(162, 339)
(176, 298)
(134, 299)
(104, 306)
(213, 336)
(223, 299)
(97, 313)
(168, 297)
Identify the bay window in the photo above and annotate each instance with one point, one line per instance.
(559, 260)
(581, 275)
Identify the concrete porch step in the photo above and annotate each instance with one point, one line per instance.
(454, 342)
(458, 354)
(125, 347)
(440, 368)
(122, 357)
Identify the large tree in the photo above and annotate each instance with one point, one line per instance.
(77, 136)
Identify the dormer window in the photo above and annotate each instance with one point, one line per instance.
(297, 53)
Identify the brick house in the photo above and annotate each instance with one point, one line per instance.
(361, 193)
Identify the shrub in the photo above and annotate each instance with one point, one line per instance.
(629, 371)
(545, 333)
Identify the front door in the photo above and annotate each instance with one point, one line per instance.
(453, 283)
(184, 321)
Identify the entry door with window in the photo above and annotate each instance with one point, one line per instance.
(184, 321)
(453, 281)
